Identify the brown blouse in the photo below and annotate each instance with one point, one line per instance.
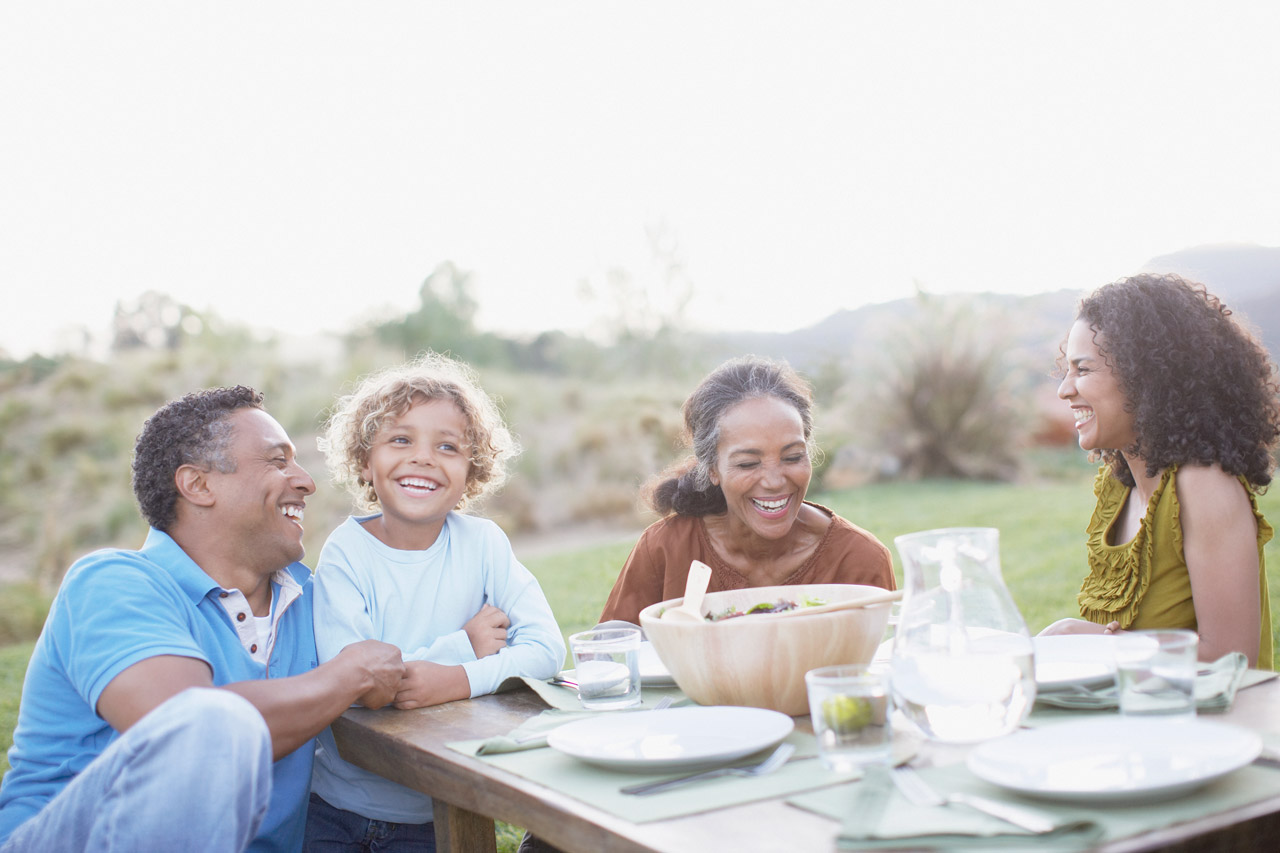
(659, 564)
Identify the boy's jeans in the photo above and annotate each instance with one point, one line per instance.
(194, 774)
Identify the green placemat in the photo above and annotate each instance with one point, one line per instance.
(900, 824)
(600, 787)
(1215, 686)
(1211, 698)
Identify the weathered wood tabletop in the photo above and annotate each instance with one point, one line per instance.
(409, 747)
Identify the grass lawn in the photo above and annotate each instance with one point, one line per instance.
(1042, 555)
(13, 666)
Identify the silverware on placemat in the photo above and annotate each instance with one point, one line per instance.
(917, 790)
(773, 762)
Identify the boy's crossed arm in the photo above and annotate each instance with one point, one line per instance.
(487, 631)
(427, 683)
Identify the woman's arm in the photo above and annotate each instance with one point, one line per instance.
(639, 584)
(1220, 543)
(1079, 626)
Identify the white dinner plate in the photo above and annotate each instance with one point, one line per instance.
(1115, 759)
(674, 739)
(653, 672)
(1067, 660)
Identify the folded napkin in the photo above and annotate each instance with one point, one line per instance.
(1216, 687)
(899, 824)
(875, 815)
(532, 733)
(565, 708)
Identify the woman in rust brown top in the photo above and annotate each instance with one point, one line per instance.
(737, 504)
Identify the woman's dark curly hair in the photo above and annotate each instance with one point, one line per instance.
(193, 430)
(686, 488)
(1201, 388)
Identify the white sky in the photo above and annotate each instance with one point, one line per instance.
(297, 165)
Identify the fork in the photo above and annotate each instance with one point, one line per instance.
(917, 790)
(775, 760)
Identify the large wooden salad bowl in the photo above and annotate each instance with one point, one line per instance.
(759, 660)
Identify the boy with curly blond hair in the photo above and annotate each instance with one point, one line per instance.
(415, 445)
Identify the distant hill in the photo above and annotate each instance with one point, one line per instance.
(1245, 276)
(1034, 325)
(1234, 271)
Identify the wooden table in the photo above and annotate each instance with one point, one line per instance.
(469, 794)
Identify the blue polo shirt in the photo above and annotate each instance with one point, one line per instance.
(116, 608)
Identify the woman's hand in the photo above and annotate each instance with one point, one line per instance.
(1079, 626)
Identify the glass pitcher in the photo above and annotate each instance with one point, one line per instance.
(963, 664)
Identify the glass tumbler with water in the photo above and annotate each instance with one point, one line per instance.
(607, 667)
(963, 662)
(1156, 673)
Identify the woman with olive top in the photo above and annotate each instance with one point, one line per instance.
(1182, 406)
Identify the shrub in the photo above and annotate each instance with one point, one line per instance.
(944, 403)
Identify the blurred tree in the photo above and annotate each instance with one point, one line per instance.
(827, 379)
(153, 321)
(645, 319)
(557, 353)
(647, 307)
(31, 370)
(444, 321)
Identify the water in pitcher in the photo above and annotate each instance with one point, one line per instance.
(963, 662)
(967, 697)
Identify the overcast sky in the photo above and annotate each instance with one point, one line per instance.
(297, 165)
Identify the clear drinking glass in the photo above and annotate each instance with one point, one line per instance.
(1156, 673)
(607, 668)
(963, 662)
(850, 709)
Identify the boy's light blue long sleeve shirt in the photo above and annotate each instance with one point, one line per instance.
(419, 601)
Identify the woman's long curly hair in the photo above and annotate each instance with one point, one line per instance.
(355, 420)
(686, 488)
(1201, 388)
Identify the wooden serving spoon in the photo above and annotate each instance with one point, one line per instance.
(851, 604)
(690, 609)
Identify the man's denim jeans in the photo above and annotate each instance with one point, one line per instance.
(194, 774)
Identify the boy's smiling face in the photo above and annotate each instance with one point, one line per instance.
(418, 465)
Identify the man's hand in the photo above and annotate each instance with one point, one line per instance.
(487, 631)
(426, 683)
(380, 666)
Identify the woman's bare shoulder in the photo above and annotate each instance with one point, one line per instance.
(1208, 488)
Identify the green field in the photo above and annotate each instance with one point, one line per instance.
(1042, 555)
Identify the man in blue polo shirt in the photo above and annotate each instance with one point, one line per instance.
(173, 697)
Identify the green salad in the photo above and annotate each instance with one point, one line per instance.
(778, 606)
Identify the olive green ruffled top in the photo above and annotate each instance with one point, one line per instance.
(1144, 583)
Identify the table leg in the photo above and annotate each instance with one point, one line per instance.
(461, 831)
